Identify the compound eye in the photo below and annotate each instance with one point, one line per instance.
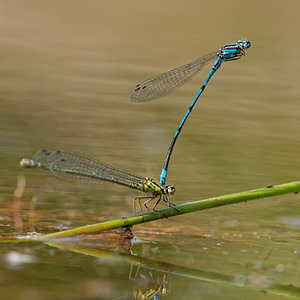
(171, 189)
(244, 44)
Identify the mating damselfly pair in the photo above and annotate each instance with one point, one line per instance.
(81, 169)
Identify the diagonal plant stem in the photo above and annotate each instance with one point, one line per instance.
(274, 190)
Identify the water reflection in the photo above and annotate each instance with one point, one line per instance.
(148, 284)
(148, 277)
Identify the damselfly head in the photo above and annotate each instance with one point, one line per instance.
(234, 51)
(170, 189)
(244, 44)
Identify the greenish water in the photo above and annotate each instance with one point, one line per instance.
(67, 70)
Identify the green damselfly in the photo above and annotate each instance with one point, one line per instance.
(78, 168)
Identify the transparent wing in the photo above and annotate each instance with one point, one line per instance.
(78, 168)
(166, 83)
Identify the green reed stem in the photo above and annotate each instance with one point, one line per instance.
(292, 187)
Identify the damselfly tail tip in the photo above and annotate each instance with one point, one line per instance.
(28, 163)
